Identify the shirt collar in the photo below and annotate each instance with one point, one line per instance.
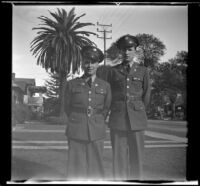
(86, 78)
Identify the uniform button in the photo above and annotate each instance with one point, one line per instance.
(89, 107)
(89, 99)
(135, 70)
(96, 85)
(127, 87)
(90, 92)
(128, 79)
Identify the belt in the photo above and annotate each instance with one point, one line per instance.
(133, 98)
(128, 97)
(89, 110)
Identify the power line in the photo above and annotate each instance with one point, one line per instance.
(104, 37)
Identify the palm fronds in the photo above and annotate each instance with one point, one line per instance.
(59, 41)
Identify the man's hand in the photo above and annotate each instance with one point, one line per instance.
(113, 62)
(64, 119)
(107, 118)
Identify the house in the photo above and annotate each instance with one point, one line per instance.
(23, 91)
(20, 88)
(24, 84)
(18, 91)
(17, 94)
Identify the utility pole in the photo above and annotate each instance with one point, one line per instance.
(104, 37)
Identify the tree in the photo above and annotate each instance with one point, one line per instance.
(52, 105)
(52, 85)
(152, 49)
(58, 45)
(170, 78)
(179, 66)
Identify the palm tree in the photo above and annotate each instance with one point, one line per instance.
(58, 44)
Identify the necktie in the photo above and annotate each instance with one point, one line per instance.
(90, 82)
(127, 67)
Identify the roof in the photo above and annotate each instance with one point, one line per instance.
(16, 87)
(23, 82)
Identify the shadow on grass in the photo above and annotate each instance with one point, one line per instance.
(27, 170)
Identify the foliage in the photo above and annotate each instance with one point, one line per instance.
(54, 120)
(59, 42)
(51, 106)
(169, 79)
(52, 85)
(174, 73)
(152, 49)
(20, 113)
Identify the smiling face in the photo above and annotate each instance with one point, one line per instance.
(90, 67)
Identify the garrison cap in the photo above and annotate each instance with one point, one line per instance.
(127, 41)
(92, 53)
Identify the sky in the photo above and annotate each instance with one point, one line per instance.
(168, 23)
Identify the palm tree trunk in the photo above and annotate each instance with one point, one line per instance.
(61, 93)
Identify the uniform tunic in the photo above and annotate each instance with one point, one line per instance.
(86, 108)
(128, 120)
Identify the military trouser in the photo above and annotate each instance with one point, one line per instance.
(128, 150)
(85, 160)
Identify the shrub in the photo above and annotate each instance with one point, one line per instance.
(55, 120)
(20, 113)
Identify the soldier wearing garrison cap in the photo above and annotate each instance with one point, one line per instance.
(87, 103)
(130, 87)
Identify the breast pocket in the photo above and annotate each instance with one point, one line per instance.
(77, 95)
(137, 83)
(77, 90)
(100, 91)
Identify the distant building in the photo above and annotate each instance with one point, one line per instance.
(23, 91)
(17, 91)
(17, 94)
(24, 84)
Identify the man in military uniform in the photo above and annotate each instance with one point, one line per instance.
(88, 99)
(130, 87)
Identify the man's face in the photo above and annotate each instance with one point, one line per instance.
(90, 67)
(128, 54)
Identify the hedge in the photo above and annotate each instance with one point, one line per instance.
(20, 113)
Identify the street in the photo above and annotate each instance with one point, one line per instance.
(39, 151)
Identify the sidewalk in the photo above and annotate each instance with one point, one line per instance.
(167, 121)
(37, 122)
(150, 122)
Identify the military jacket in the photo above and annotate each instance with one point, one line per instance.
(130, 96)
(87, 108)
